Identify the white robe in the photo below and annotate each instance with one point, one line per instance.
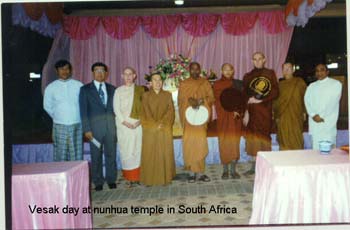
(129, 140)
(322, 97)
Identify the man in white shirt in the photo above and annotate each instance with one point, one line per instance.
(61, 102)
(322, 104)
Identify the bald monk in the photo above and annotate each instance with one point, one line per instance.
(260, 88)
(195, 91)
(157, 118)
(289, 110)
(229, 125)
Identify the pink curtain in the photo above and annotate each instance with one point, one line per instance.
(120, 27)
(81, 28)
(142, 51)
(160, 26)
(197, 25)
(140, 42)
(238, 24)
(59, 50)
(272, 23)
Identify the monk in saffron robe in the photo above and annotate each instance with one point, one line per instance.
(289, 110)
(260, 88)
(195, 91)
(228, 124)
(157, 118)
(127, 109)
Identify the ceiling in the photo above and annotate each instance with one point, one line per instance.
(169, 5)
(72, 6)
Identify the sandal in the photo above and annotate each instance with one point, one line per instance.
(191, 179)
(235, 176)
(224, 175)
(204, 178)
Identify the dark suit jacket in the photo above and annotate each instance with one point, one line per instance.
(95, 117)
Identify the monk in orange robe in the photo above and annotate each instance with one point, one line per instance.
(157, 118)
(195, 91)
(260, 88)
(228, 124)
(289, 110)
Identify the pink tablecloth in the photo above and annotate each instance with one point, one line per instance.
(57, 186)
(301, 187)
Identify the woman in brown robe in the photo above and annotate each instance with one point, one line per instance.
(228, 124)
(157, 118)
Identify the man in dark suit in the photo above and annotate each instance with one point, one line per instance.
(98, 120)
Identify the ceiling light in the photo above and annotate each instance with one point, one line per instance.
(179, 2)
(333, 66)
(34, 75)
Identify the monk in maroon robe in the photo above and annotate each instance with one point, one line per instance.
(228, 123)
(260, 88)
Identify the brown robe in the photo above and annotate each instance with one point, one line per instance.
(195, 145)
(228, 128)
(258, 130)
(288, 112)
(157, 159)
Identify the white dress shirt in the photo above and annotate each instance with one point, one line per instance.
(61, 101)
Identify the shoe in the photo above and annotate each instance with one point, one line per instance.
(249, 172)
(204, 178)
(112, 186)
(98, 187)
(191, 179)
(235, 176)
(224, 175)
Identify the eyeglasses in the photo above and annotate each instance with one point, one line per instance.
(99, 71)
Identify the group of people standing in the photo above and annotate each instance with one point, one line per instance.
(141, 119)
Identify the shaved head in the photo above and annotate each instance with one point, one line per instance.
(226, 64)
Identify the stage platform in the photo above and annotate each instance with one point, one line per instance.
(31, 153)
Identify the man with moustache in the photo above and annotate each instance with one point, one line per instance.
(322, 104)
(61, 102)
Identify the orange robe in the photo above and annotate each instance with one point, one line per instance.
(228, 129)
(194, 144)
(258, 130)
(288, 112)
(157, 159)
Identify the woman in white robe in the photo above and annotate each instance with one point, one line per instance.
(127, 99)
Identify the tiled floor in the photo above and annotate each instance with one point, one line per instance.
(199, 198)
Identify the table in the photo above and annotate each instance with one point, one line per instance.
(301, 186)
(54, 186)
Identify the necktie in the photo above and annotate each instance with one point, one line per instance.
(102, 94)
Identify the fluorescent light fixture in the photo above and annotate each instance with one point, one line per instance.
(333, 66)
(179, 2)
(34, 75)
